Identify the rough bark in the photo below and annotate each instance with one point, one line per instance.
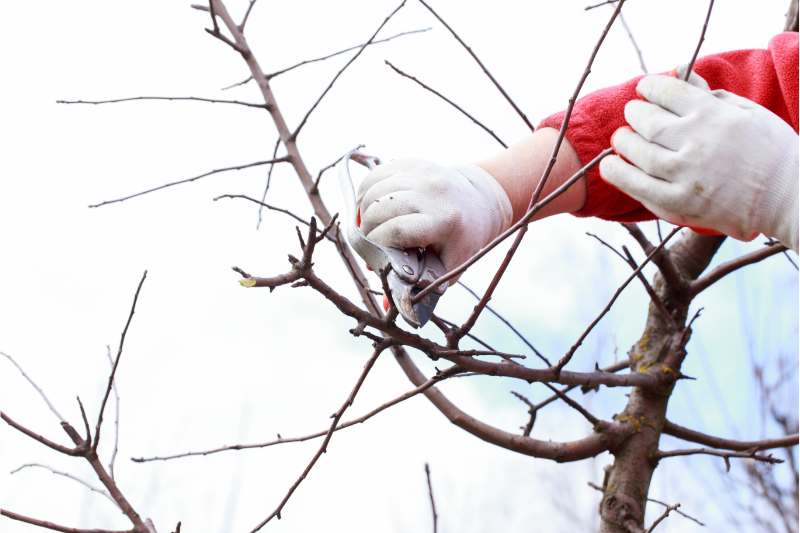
(661, 345)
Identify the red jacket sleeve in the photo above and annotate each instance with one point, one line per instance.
(768, 77)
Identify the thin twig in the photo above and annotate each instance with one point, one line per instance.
(35, 386)
(662, 259)
(53, 526)
(268, 182)
(463, 111)
(334, 54)
(113, 459)
(628, 258)
(654, 297)
(599, 4)
(485, 70)
(164, 98)
(659, 502)
(450, 372)
(699, 42)
(324, 446)
(593, 420)
(508, 324)
(663, 517)
(67, 475)
(725, 454)
(323, 170)
(430, 497)
(242, 24)
(567, 356)
(189, 180)
(361, 48)
(701, 284)
(633, 43)
(113, 373)
(39, 438)
(271, 208)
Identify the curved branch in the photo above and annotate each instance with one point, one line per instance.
(690, 435)
(701, 284)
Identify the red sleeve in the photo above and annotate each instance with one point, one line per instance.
(768, 77)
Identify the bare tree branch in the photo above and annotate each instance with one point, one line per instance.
(164, 98)
(339, 73)
(96, 441)
(324, 446)
(113, 459)
(566, 358)
(690, 435)
(67, 475)
(35, 386)
(733, 265)
(194, 178)
(663, 517)
(56, 527)
(450, 372)
(485, 70)
(725, 454)
(268, 182)
(699, 41)
(449, 101)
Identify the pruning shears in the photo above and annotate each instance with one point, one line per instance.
(408, 271)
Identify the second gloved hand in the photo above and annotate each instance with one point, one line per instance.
(413, 203)
(708, 158)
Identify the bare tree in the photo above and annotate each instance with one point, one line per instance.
(654, 364)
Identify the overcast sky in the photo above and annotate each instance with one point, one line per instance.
(210, 363)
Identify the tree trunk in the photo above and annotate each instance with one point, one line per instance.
(627, 481)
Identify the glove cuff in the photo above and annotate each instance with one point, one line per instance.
(779, 208)
(498, 203)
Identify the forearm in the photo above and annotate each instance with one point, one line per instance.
(519, 168)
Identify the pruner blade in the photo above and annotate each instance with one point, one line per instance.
(408, 271)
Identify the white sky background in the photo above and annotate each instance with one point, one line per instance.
(208, 363)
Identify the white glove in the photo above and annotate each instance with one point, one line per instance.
(410, 203)
(708, 158)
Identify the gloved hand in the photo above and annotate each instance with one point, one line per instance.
(708, 158)
(411, 203)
